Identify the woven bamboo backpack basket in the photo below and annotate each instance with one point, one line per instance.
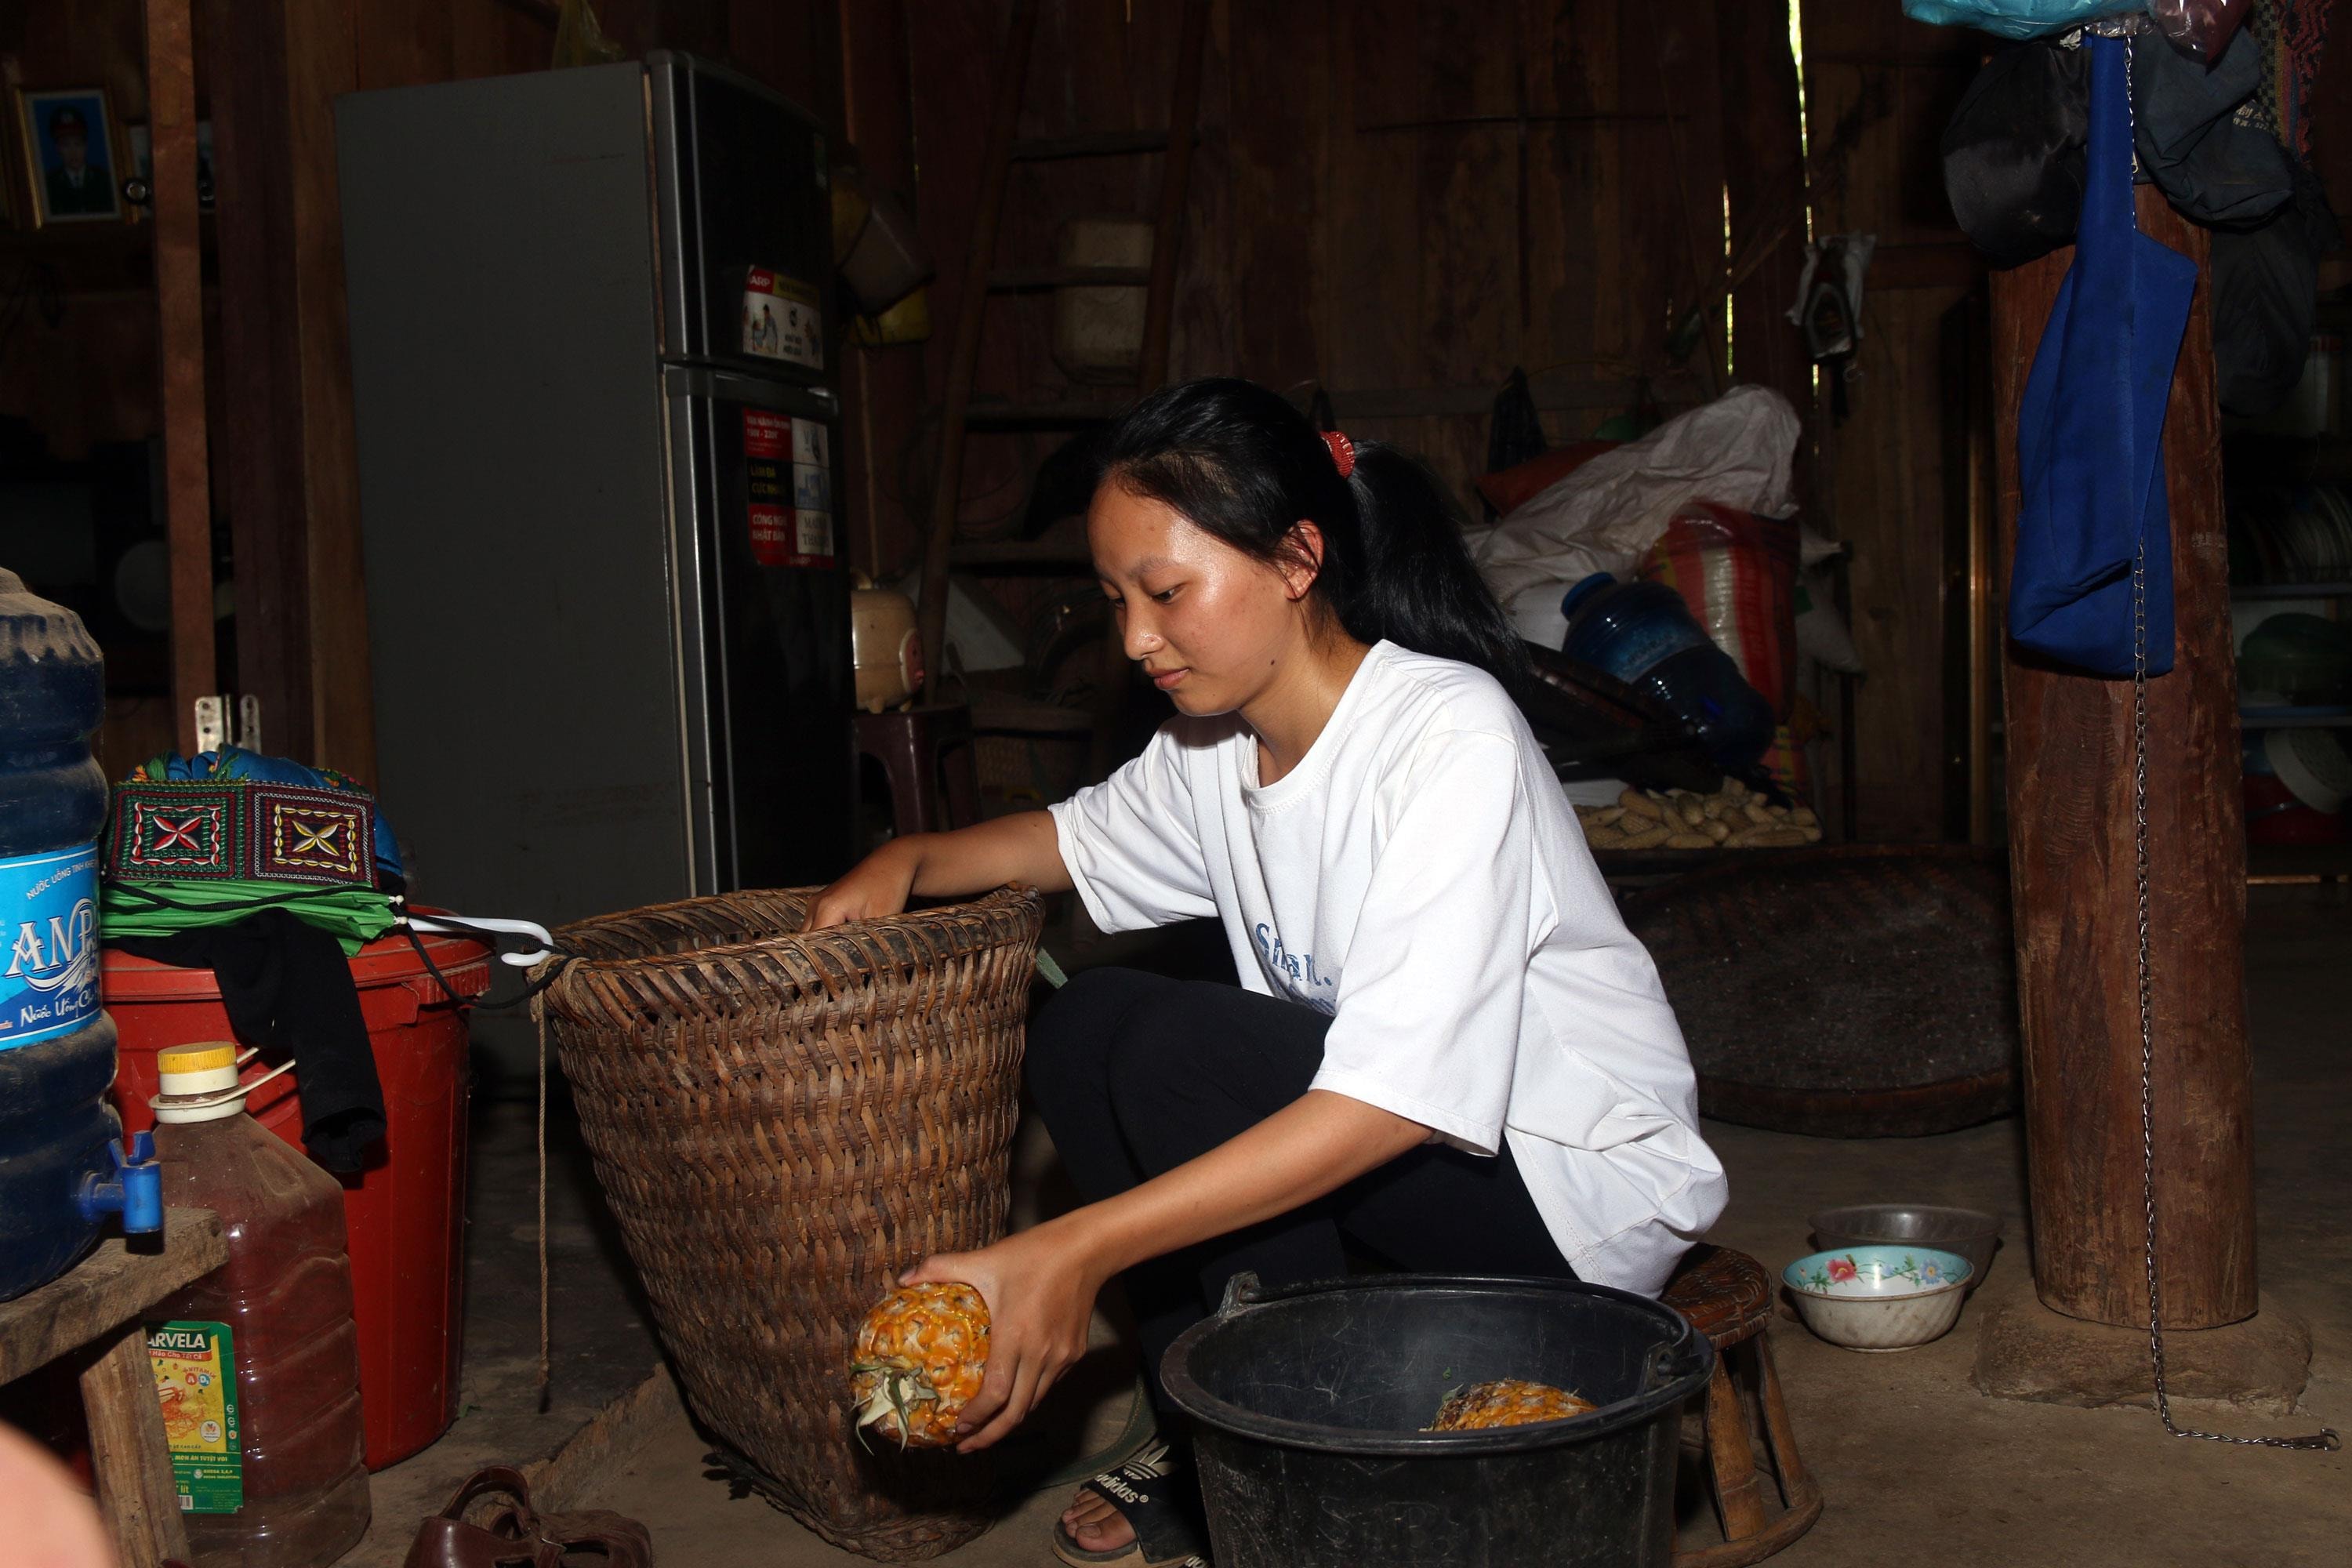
(781, 1122)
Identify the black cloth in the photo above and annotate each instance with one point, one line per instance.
(2013, 151)
(1135, 1074)
(2013, 170)
(2266, 301)
(289, 991)
(2014, 148)
(2216, 171)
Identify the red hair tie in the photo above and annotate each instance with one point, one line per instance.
(1343, 452)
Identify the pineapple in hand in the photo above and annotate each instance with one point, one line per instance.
(919, 1359)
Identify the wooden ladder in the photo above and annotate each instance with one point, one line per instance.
(981, 278)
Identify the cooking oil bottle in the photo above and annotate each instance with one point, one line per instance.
(257, 1363)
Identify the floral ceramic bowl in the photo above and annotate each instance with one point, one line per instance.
(1878, 1297)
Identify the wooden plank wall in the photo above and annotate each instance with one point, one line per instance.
(1388, 195)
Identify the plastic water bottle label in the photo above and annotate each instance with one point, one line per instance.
(48, 924)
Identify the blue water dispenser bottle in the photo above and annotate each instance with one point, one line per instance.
(62, 1168)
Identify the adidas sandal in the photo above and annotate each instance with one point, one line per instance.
(1158, 1503)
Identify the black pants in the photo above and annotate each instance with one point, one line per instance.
(1135, 1074)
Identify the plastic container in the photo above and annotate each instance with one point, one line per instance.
(2312, 763)
(284, 1299)
(57, 1049)
(1308, 1404)
(1643, 634)
(405, 1212)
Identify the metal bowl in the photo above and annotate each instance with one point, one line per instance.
(1971, 1233)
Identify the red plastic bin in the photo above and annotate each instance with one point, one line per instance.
(406, 1211)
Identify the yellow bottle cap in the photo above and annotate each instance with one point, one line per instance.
(195, 1058)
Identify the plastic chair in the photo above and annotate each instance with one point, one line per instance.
(925, 755)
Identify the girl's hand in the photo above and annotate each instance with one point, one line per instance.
(1040, 1287)
(877, 886)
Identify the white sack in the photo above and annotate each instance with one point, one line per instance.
(1735, 451)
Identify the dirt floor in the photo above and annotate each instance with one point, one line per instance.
(1912, 1459)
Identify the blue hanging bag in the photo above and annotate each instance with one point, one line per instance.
(2090, 426)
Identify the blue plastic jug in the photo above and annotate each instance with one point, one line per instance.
(57, 1049)
(1643, 634)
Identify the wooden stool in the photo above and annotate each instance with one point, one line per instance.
(1727, 1296)
(100, 1301)
(918, 749)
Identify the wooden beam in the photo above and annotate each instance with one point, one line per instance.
(1114, 670)
(111, 1287)
(262, 419)
(972, 309)
(1764, 185)
(884, 506)
(2069, 785)
(301, 606)
(321, 62)
(129, 1457)
(179, 304)
(1090, 144)
(1175, 189)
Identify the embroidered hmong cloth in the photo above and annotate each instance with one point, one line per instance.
(207, 841)
(232, 764)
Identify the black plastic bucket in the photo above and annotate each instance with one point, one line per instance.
(1309, 1401)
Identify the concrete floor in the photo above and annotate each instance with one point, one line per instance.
(1913, 1461)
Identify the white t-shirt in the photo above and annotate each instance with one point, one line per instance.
(1420, 877)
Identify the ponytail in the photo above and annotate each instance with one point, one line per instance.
(1240, 463)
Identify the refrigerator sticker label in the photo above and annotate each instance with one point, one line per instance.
(767, 447)
(814, 531)
(195, 1380)
(808, 442)
(48, 921)
(811, 496)
(781, 320)
(789, 498)
(810, 488)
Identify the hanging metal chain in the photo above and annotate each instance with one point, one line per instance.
(2325, 1438)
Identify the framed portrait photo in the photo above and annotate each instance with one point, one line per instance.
(70, 157)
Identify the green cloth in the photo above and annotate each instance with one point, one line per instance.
(356, 916)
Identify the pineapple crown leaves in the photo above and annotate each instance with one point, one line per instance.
(898, 1387)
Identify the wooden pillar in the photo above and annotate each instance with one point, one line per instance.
(2073, 886)
(179, 303)
(301, 603)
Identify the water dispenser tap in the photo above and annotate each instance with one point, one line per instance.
(135, 1191)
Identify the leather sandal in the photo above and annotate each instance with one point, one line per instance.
(519, 1535)
(589, 1538)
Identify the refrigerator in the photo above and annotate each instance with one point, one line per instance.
(594, 384)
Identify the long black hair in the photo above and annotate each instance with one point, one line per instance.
(1239, 462)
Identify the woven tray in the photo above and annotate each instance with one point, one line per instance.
(1852, 991)
(781, 1122)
